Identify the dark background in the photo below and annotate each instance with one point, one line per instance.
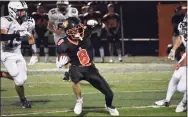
(139, 21)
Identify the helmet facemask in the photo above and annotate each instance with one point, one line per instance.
(76, 33)
(62, 7)
(21, 14)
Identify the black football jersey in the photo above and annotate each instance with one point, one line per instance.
(111, 20)
(80, 53)
(41, 22)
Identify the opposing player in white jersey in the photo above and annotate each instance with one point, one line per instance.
(179, 79)
(16, 27)
(55, 23)
(57, 16)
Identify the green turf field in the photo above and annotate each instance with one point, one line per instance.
(135, 93)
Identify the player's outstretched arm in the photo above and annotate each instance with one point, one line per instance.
(4, 36)
(177, 43)
(173, 50)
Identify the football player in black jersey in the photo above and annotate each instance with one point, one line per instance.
(41, 32)
(112, 26)
(76, 49)
(96, 34)
(84, 10)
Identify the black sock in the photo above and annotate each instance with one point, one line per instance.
(20, 92)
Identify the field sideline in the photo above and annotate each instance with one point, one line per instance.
(135, 93)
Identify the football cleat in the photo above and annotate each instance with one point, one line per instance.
(181, 107)
(25, 103)
(162, 103)
(113, 111)
(78, 106)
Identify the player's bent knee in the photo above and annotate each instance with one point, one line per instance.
(19, 82)
(14, 73)
(181, 89)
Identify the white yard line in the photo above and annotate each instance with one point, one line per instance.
(113, 81)
(83, 93)
(70, 110)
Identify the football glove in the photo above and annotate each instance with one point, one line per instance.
(171, 55)
(92, 23)
(61, 61)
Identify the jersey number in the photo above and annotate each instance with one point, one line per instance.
(53, 11)
(73, 11)
(9, 19)
(29, 19)
(83, 57)
(183, 26)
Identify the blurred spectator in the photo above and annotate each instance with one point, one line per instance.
(112, 25)
(41, 33)
(175, 20)
(84, 10)
(95, 36)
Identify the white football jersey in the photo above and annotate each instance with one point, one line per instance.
(11, 25)
(57, 17)
(182, 27)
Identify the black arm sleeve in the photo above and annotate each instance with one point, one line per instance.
(62, 47)
(5, 37)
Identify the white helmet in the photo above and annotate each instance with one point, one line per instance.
(62, 5)
(62, 2)
(15, 6)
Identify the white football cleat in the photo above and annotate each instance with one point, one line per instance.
(181, 107)
(162, 103)
(113, 111)
(78, 106)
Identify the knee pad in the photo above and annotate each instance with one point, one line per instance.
(20, 79)
(19, 82)
(181, 89)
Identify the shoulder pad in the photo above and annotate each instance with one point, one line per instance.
(31, 23)
(52, 11)
(62, 46)
(51, 14)
(8, 18)
(72, 11)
